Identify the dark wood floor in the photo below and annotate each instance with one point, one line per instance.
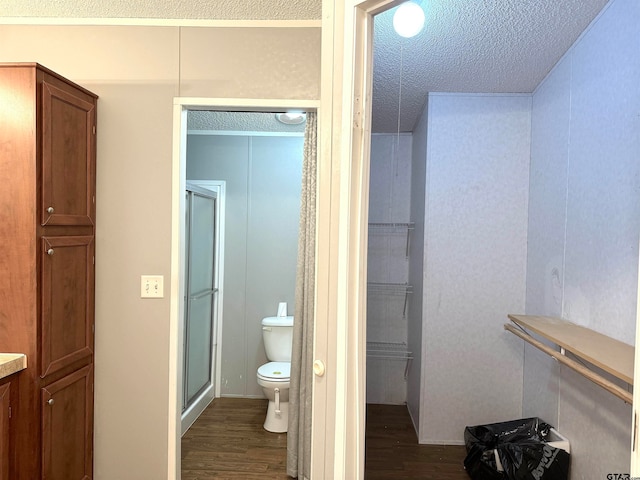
(228, 442)
(393, 452)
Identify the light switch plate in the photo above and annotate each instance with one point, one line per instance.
(151, 286)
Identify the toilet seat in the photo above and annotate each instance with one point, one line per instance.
(275, 372)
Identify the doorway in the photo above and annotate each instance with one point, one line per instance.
(179, 252)
(358, 47)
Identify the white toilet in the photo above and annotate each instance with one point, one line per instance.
(273, 377)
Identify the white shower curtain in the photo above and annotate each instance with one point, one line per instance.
(299, 429)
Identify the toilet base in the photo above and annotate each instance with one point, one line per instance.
(277, 423)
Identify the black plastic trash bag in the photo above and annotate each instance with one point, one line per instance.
(518, 448)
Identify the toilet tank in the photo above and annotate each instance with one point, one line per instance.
(277, 333)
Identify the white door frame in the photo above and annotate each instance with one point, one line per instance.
(181, 106)
(344, 113)
(347, 47)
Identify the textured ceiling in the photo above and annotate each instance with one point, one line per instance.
(167, 9)
(475, 46)
(472, 46)
(238, 122)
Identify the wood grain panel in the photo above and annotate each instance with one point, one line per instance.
(5, 437)
(67, 422)
(67, 301)
(68, 145)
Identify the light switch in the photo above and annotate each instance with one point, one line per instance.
(151, 286)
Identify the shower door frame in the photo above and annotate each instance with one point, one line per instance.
(214, 189)
(220, 188)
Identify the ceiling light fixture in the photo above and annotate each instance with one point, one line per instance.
(291, 118)
(408, 20)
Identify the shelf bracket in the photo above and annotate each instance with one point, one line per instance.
(406, 369)
(406, 254)
(406, 301)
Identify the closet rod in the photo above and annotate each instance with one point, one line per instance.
(573, 365)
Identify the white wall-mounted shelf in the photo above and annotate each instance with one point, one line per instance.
(392, 289)
(391, 351)
(614, 357)
(390, 228)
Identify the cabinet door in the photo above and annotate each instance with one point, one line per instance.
(5, 438)
(67, 301)
(67, 427)
(68, 156)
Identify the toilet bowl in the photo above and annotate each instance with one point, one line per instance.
(274, 377)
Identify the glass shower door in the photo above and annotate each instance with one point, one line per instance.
(200, 297)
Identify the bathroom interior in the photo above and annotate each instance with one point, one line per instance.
(258, 159)
(489, 203)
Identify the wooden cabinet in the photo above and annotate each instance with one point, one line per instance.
(5, 429)
(47, 229)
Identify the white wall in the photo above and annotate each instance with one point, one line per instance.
(137, 72)
(263, 178)
(584, 228)
(475, 258)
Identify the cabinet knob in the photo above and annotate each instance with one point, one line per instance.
(51, 401)
(50, 210)
(50, 251)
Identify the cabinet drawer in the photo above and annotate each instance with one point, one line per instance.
(67, 286)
